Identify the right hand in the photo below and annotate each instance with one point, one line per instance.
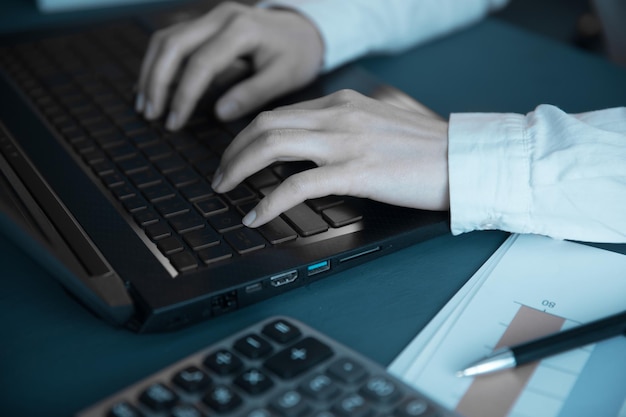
(285, 49)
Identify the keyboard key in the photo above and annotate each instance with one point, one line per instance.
(281, 331)
(381, 389)
(145, 178)
(192, 379)
(184, 261)
(245, 240)
(222, 399)
(146, 217)
(253, 346)
(323, 203)
(319, 387)
(347, 371)
(215, 253)
(240, 194)
(124, 409)
(277, 231)
(183, 177)
(158, 231)
(211, 206)
(341, 215)
(172, 207)
(158, 397)
(415, 407)
(298, 358)
(223, 362)
(228, 220)
(170, 245)
(262, 179)
(305, 220)
(186, 222)
(158, 192)
(196, 191)
(290, 404)
(185, 410)
(254, 381)
(201, 238)
(353, 405)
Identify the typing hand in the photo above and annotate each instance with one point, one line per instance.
(362, 147)
(284, 48)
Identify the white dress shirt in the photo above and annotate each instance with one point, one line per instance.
(546, 172)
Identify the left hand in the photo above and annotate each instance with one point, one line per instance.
(362, 147)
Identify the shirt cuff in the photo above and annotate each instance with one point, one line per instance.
(489, 172)
(338, 23)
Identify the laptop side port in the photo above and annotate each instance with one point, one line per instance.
(317, 268)
(284, 278)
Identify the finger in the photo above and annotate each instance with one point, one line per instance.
(148, 63)
(207, 62)
(330, 100)
(277, 145)
(269, 121)
(314, 183)
(255, 91)
(173, 48)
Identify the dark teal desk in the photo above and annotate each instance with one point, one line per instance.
(56, 358)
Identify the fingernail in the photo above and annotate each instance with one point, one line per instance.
(149, 110)
(140, 102)
(227, 109)
(249, 218)
(172, 121)
(217, 179)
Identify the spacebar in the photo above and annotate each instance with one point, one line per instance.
(305, 220)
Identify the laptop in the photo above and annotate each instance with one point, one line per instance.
(120, 210)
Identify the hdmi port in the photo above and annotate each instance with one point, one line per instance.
(284, 278)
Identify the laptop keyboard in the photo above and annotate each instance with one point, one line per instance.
(83, 85)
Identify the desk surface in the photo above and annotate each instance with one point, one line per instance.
(56, 358)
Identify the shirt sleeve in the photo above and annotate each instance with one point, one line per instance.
(353, 28)
(546, 172)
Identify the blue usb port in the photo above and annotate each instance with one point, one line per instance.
(317, 268)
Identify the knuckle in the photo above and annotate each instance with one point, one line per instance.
(264, 120)
(296, 186)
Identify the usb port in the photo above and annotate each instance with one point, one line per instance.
(317, 268)
(284, 278)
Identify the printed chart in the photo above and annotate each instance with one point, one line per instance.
(532, 287)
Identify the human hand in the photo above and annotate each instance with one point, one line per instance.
(284, 47)
(362, 147)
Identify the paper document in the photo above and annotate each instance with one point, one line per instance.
(531, 287)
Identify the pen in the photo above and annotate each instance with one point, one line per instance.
(534, 350)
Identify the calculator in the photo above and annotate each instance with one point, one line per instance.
(279, 367)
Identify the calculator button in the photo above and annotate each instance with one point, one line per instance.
(281, 331)
(290, 404)
(223, 362)
(158, 397)
(254, 381)
(186, 410)
(222, 399)
(124, 409)
(260, 412)
(353, 405)
(253, 346)
(415, 407)
(192, 379)
(347, 371)
(381, 390)
(319, 387)
(298, 358)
